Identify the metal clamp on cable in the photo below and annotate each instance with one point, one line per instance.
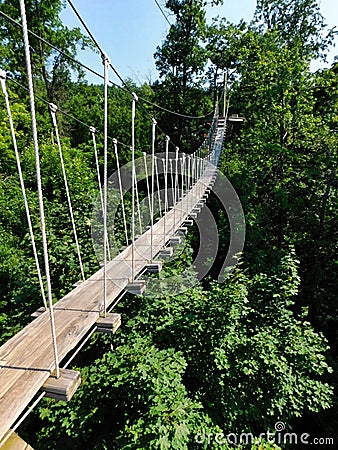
(114, 141)
(135, 97)
(92, 130)
(154, 121)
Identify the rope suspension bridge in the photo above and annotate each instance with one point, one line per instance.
(33, 363)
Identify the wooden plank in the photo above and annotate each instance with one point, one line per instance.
(15, 442)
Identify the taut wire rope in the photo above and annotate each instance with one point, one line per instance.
(158, 187)
(147, 180)
(176, 183)
(105, 62)
(53, 109)
(39, 185)
(172, 181)
(93, 133)
(153, 138)
(138, 204)
(133, 177)
(22, 184)
(167, 139)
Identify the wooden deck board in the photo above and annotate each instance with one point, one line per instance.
(15, 442)
(26, 360)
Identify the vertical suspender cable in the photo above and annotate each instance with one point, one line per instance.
(188, 181)
(153, 137)
(138, 204)
(106, 62)
(165, 199)
(22, 184)
(192, 171)
(133, 178)
(175, 183)
(182, 175)
(147, 180)
(121, 191)
(39, 185)
(194, 178)
(158, 187)
(167, 139)
(172, 181)
(53, 109)
(93, 131)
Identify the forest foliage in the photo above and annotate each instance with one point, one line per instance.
(220, 358)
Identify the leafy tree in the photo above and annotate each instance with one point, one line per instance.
(299, 22)
(180, 61)
(52, 67)
(231, 360)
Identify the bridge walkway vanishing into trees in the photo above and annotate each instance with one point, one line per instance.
(30, 360)
(26, 360)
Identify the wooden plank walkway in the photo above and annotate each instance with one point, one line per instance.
(15, 442)
(26, 360)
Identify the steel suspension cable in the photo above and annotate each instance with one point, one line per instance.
(93, 133)
(53, 109)
(124, 86)
(182, 174)
(153, 138)
(22, 184)
(105, 62)
(133, 114)
(158, 186)
(39, 184)
(189, 181)
(167, 139)
(172, 181)
(176, 183)
(147, 179)
(138, 204)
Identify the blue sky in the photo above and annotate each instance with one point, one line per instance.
(130, 30)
